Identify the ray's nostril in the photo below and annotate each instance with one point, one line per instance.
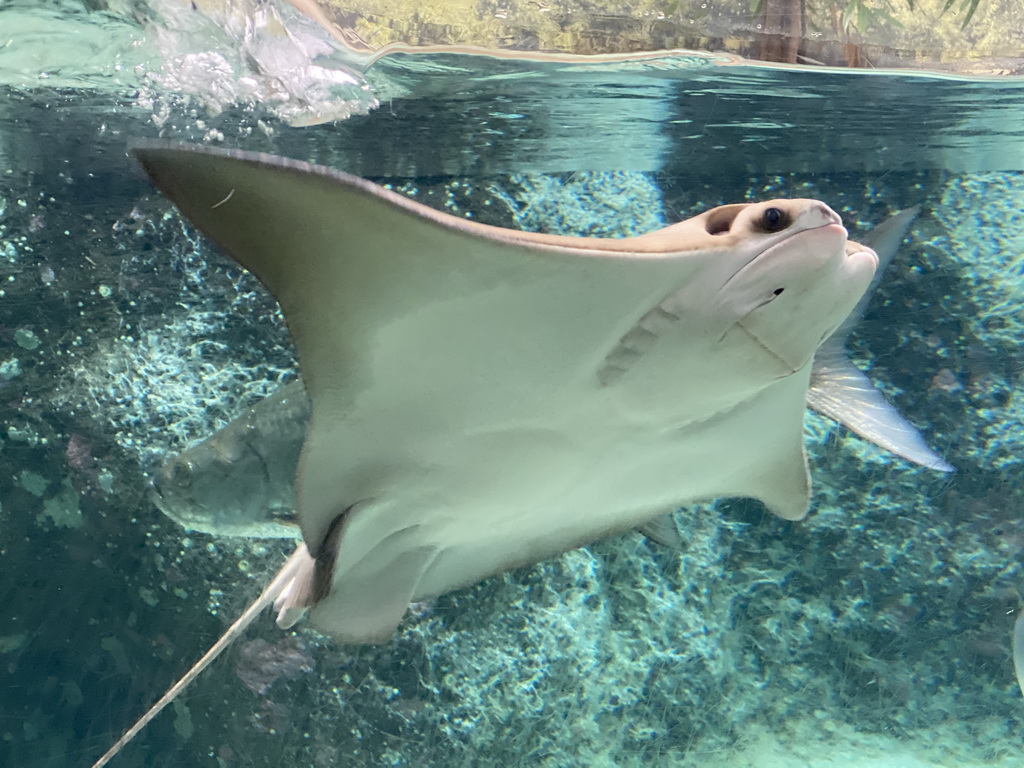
(827, 214)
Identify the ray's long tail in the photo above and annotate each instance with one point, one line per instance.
(269, 594)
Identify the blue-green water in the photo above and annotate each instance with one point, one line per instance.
(876, 630)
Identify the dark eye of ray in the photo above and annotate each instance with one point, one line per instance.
(774, 219)
(778, 291)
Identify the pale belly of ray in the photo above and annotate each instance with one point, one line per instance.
(486, 501)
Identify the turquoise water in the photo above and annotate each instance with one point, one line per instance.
(876, 632)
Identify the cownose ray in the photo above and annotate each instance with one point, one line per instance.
(239, 480)
(484, 398)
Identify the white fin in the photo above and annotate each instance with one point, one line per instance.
(779, 478)
(785, 487)
(367, 605)
(296, 596)
(840, 391)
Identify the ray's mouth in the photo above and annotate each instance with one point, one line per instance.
(831, 227)
(823, 232)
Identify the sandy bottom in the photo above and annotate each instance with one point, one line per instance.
(817, 744)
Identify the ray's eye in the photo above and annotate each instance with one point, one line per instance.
(774, 220)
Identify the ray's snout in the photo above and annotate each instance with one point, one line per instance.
(825, 214)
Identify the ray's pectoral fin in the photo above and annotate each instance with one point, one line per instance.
(361, 601)
(367, 599)
(842, 392)
(770, 462)
(784, 484)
